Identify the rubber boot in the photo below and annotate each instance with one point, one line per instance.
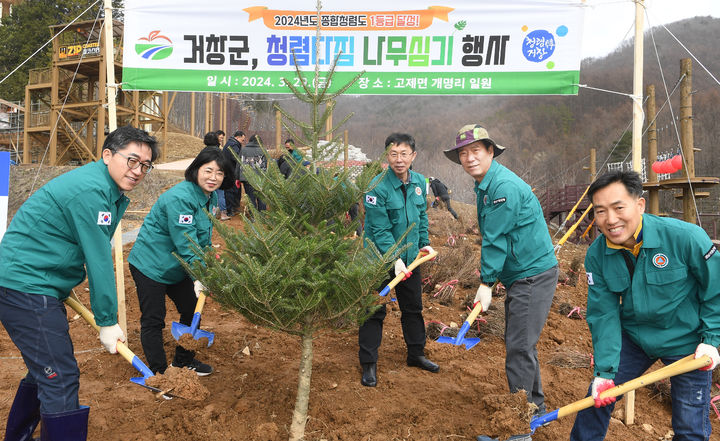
(70, 425)
(24, 414)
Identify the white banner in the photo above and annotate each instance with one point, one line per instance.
(4, 190)
(462, 47)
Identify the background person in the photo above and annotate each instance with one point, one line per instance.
(176, 216)
(441, 193)
(395, 202)
(63, 230)
(517, 250)
(653, 293)
(233, 193)
(254, 157)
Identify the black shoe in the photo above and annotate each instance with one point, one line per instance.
(200, 368)
(423, 363)
(369, 375)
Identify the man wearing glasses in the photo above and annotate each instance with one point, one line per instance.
(61, 231)
(396, 203)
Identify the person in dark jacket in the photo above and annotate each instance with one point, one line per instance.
(440, 191)
(177, 214)
(233, 193)
(60, 234)
(254, 157)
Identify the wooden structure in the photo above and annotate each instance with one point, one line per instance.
(688, 183)
(66, 116)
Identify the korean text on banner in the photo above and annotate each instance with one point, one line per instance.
(461, 47)
(4, 190)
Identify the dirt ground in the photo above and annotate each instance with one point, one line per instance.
(252, 391)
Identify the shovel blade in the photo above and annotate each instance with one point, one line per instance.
(200, 333)
(468, 342)
(178, 330)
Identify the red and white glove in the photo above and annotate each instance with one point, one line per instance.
(599, 385)
(401, 268)
(483, 296)
(428, 250)
(709, 350)
(109, 336)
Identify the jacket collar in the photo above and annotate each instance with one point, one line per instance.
(489, 176)
(395, 181)
(115, 193)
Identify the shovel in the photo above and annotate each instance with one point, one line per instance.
(681, 366)
(121, 348)
(460, 339)
(178, 329)
(421, 258)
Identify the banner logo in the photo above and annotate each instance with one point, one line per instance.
(154, 46)
(539, 45)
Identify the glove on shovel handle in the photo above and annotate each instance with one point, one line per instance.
(419, 260)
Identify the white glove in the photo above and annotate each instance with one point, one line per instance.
(710, 351)
(599, 385)
(109, 336)
(484, 296)
(401, 268)
(428, 250)
(198, 287)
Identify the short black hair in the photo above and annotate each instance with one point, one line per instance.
(219, 132)
(400, 138)
(238, 133)
(208, 154)
(290, 141)
(256, 139)
(211, 138)
(630, 179)
(119, 138)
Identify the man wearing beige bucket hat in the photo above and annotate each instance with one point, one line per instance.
(516, 250)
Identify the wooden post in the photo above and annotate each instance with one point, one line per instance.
(345, 152)
(207, 112)
(166, 111)
(328, 128)
(54, 120)
(686, 138)
(593, 165)
(637, 88)
(26, 126)
(630, 408)
(112, 125)
(136, 105)
(278, 131)
(192, 113)
(654, 192)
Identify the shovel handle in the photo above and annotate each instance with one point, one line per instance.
(421, 258)
(200, 302)
(121, 347)
(687, 364)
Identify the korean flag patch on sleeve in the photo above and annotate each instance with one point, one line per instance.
(185, 219)
(372, 200)
(104, 218)
(590, 279)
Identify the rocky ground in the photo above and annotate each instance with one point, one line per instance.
(252, 391)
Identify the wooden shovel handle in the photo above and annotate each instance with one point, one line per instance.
(200, 302)
(122, 349)
(421, 258)
(681, 366)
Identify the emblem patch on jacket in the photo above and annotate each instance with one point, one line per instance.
(499, 201)
(372, 200)
(710, 252)
(185, 219)
(104, 218)
(418, 191)
(660, 260)
(590, 279)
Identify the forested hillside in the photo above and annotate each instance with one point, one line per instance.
(549, 138)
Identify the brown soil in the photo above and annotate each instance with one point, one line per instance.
(252, 391)
(179, 382)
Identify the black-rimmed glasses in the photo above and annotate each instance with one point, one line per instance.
(134, 163)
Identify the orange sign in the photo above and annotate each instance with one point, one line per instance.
(349, 20)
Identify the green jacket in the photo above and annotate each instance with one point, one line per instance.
(176, 212)
(63, 229)
(515, 238)
(671, 303)
(388, 214)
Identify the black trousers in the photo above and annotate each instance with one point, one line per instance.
(446, 201)
(409, 297)
(151, 295)
(232, 199)
(252, 197)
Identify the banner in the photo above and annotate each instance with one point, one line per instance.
(462, 47)
(4, 190)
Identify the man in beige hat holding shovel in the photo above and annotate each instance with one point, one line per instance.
(516, 250)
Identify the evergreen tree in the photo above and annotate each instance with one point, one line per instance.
(622, 150)
(295, 267)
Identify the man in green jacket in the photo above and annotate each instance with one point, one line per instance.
(653, 293)
(396, 203)
(516, 250)
(61, 231)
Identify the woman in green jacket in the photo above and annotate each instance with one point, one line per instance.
(177, 215)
